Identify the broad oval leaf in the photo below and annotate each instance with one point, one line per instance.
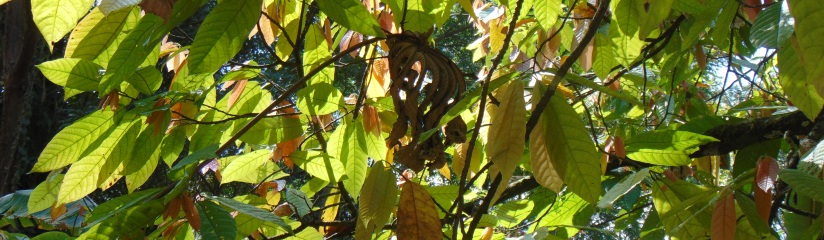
(348, 143)
(804, 94)
(215, 222)
(665, 147)
(351, 14)
(319, 99)
(273, 130)
(807, 15)
(571, 149)
(44, 195)
(56, 18)
(546, 12)
(132, 52)
(96, 33)
(319, 164)
(70, 143)
(417, 214)
(74, 73)
(222, 34)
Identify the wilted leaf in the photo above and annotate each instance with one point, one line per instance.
(417, 214)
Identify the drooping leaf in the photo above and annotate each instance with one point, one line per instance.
(253, 211)
(772, 28)
(543, 169)
(352, 15)
(319, 99)
(505, 146)
(222, 34)
(215, 222)
(571, 149)
(622, 188)
(253, 167)
(56, 18)
(724, 218)
(70, 143)
(665, 147)
(417, 214)
(72, 73)
(316, 52)
(374, 209)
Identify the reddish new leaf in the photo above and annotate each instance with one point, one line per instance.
(724, 219)
(766, 173)
(192, 216)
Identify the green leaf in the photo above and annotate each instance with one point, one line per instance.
(316, 51)
(571, 210)
(319, 99)
(665, 147)
(253, 167)
(799, 89)
(253, 211)
(109, 6)
(546, 12)
(86, 174)
(601, 88)
(571, 149)
(348, 143)
(215, 222)
(172, 145)
(626, 47)
(351, 14)
(118, 204)
(622, 188)
(206, 153)
(72, 73)
(222, 34)
(299, 201)
(808, 15)
(56, 18)
(772, 28)
(147, 147)
(137, 179)
(470, 99)
(625, 16)
(273, 130)
(52, 236)
(308, 234)
(319, 164)
(147, 80)
(374, 208)
(43, 196)
(131, 52)
(70, 143)
(604, 57)
(97, 34)
(803, 183)
(652, 13)
(417, 12)
(512, 213)
(720, 34)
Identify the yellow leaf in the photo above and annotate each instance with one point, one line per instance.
(331, 211)
(506, 133)
(496, 36)
(417, 214)
(542, 168)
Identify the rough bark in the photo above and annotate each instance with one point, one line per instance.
(20, 40)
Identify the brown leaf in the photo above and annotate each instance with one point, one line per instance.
(268, 29)
(173, 208)
(417, 214)
(700, 57)
(487, 233)
(161, 8)
(766, 173)
(284, 149)
(178, 59)
(192, 216)
(387, 22)
(56, 211)
(542, 168)
(237, 91)
(371, 121)
(350, 39)
(724, 218)
(283, 210)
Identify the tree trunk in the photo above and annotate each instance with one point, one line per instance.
(20, 41)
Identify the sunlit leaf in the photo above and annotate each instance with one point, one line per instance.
(622, 188)
(44, 195)
(56, 18)
(253, 167)
(70, 143)
(319, 99)
(772, 28)
(215, 222)
(222, 34)
(417, 214)
(724, 218)
(352, 15)
(665, 147)
(253, 211)
(507, 132)
(72, 73)
(374, 209)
